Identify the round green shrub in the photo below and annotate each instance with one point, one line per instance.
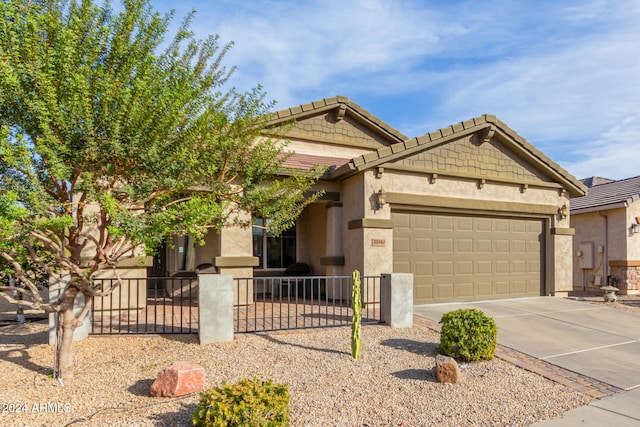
(468, 335)
(250, 403)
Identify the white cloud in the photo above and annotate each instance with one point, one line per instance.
(313, 45)
(612, 155)
(562, 74)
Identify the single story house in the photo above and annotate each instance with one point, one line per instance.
(473, 210)
(606, 248)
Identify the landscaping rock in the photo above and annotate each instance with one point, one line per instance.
(447, 370)
(178, 379)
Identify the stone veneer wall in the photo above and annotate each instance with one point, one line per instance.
(628, 274)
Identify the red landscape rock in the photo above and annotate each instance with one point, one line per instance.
(447, 370)
(178, 379)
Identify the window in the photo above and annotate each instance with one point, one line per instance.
(273, 251)
(185, 259)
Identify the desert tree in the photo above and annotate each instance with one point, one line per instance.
(115, 134)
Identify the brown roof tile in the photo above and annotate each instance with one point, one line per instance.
(308, 161)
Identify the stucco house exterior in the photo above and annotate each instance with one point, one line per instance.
(607, 243)
(473, 210)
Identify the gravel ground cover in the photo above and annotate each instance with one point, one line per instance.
(392, 384)
(624, 302)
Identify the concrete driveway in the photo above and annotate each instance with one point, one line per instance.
(595, 341)
(592, 340)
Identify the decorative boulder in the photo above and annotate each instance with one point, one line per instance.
(447, 370)
(178, 379)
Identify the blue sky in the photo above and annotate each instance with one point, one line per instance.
(563, 74)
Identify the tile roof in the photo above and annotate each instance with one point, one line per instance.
(592, 181)
(486, 123)
(298, 112)
(308, 161)
(609, 195)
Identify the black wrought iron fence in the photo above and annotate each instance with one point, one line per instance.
(149, 305)
(278, 303)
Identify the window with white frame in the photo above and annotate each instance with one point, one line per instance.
(273, 251)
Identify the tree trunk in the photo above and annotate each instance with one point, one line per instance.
(68, 323)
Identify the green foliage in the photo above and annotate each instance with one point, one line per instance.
(250, 403)
(468, 335)
(356, 319)
(115, 135)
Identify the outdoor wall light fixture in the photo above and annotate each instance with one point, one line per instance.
(381, 197)
(635, 228)
(563, 211)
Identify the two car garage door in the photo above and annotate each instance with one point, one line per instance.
(465, 258)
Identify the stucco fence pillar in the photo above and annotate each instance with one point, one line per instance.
(396, 300)
(215, 308)
(56, 287)
(215, 305)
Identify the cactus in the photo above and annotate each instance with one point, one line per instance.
(356, 325)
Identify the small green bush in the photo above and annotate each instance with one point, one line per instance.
(468, 335)
(251, 403)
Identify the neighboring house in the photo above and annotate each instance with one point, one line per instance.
(607, 243)
(473, 210)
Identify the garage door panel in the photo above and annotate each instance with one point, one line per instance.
(518, 287)
(463, 224)
(423, 244)
(444, 223)
(465, 257)
(402, 266)
(484, 246)
(533, 266)
(502, 288)
(484, 267)
(501, 225)
(402, 221)
(502, 267)
(483, 225)
(519, 266)
(465, 245)
(424, 268)
(485, 289)
(423, 292)
(422, 222)
(444, 291)
(464, 268)
(501, 246)
(401, 244)
(518, 226)
(533, 286)
(465, 289)
(445, 245)
(518, 246)
(444, 268)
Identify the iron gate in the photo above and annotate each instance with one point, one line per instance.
(149, 305)
(279, 303)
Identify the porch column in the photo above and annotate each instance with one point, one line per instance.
(561, 275)
(334, 259)
(235, 254)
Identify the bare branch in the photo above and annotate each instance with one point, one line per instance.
(49, 308)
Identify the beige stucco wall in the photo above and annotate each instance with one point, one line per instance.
(132, 294)
(311, 238)
(353, 208)
(633, 240)
(377, 260)
(591, 230)
(622, 246)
